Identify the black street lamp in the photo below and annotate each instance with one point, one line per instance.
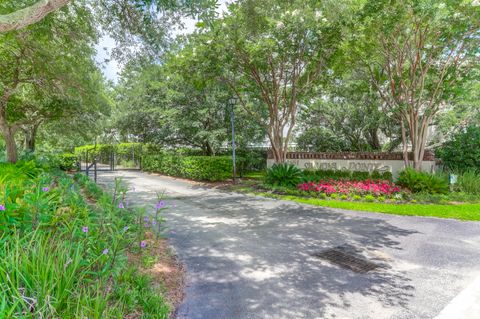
(232, 102)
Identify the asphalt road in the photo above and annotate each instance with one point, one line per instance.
(252, 257)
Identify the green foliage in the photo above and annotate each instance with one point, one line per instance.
(252, 160)
(62, 258)
(319, 175)
(56, 77)
(284, 174)
(378, 44)
(209, 168)
(462, 152)
(419, 182)
(177, 104)
(468, 182)
(18, 172)
(68, 161)
(319, 139)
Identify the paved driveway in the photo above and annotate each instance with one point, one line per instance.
(252, 257)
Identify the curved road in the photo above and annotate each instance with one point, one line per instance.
(252, 257)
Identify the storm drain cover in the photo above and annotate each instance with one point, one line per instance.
(347, 257)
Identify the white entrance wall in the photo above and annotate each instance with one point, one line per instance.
(364, 162)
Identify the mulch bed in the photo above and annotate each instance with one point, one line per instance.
(167, 272)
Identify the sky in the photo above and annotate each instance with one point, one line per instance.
(112, 68)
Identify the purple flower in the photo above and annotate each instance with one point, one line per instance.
(143, 244)
(105, 251)
(146, 219)
(85, 229)
(154, 222)
(120, 205)
(45, 189)
(160, 205)
(147, 225)
(2, 207)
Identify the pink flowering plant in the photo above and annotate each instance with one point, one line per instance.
(349, 188)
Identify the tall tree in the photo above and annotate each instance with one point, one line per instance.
(175, 104)
(418, 54)
(46, 67)
(272, 53)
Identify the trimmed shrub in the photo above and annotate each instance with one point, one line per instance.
(422, 182)
(284, 174)
(208, 168)
(68, 161)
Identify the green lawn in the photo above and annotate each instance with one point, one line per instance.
(460, 211)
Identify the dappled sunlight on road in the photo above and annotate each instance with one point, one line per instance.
(251, 257)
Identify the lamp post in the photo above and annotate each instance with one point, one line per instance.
(232, 102)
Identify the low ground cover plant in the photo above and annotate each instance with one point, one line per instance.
(64, 257)
(351, 188)
(284, 174)
(422, 182)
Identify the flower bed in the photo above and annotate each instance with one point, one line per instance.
(368, 187)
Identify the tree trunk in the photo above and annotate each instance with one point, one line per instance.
(208, 149)
(374, 140)
(30, 138)
(9, 136)
(406, 162)
(279, 150)
(418, 127)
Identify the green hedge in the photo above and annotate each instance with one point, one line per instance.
(208, 168)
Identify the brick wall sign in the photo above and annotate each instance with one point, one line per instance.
(354, 161)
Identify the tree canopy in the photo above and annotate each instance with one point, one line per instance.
(356, 75)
